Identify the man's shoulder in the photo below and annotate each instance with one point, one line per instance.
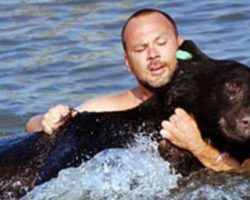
(111, 102)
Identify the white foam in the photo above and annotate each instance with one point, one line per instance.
(134, 173)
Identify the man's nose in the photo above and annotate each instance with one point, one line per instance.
(153, 53)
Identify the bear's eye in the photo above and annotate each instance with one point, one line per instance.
(232, 90)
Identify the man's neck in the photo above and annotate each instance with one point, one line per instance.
(141, 93)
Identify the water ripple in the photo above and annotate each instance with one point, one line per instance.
(68, 51)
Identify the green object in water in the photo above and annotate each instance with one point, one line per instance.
(183, 55)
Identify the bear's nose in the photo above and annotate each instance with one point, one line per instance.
(245, 122)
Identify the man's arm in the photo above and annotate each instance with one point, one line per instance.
(182, 130)
(56, 117)
(34, 124)
(51, 121)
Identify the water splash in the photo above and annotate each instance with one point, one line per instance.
(209, 185)
(139, 173)
(134, 173)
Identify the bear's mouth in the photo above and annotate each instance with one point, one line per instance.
(231, 132)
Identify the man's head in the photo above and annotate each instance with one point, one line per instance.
(150, 40)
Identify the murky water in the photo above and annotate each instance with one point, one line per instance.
(67, 51)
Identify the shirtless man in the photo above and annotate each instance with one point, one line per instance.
(150, 41)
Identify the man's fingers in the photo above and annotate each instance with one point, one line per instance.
(163, 123)
(59, 114)
(169, 129)
(47, 129)
(180, 112)
(165, 133)
(54, 118)
(67, 113)
(173, 119)
(57, 117)
(52, 129)
(53, 115)
(170, 125)
(73, 112)
(185, 118)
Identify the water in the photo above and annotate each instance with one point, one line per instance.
(210, 185)
(67, 51)
(113, 174)
(139, 173)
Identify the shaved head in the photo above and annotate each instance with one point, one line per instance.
(145, 12)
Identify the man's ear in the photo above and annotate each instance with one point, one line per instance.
(127, 61)
(179, 40)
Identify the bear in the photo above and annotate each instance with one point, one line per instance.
(215, 92)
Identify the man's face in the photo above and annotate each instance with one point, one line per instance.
(151, 46)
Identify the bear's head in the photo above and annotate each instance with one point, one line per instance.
(217, 93)
(222, 104)
(234, 101)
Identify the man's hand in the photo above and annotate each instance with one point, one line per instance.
(56, 117)
(182, 130)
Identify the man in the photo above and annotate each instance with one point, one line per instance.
(150, 40)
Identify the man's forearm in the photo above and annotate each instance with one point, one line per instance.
(182, 131)
(213, 159)
(34, 124)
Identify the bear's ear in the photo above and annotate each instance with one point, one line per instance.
(197, 54)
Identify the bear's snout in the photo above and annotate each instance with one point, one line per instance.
(236, 125)
(243, 125)
(245, 122)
